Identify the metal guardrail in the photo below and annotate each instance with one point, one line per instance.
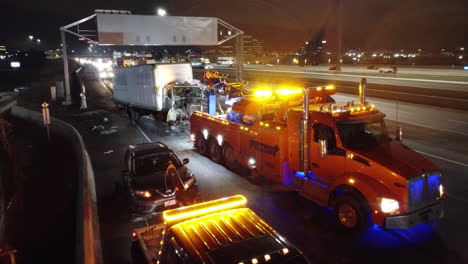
(88, 244)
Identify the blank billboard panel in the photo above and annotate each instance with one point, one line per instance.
(116, 29)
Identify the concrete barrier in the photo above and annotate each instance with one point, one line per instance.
(7, 102)
(88, 244)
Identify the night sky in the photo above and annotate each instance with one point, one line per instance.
(282, 24)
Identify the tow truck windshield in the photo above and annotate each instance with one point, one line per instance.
(361, 134)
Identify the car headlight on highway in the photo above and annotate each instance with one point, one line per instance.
(389, 205)
(111, 74)
(103, 74)
(441, 190)
(144, 194)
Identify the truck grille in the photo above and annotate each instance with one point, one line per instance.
(423, 191)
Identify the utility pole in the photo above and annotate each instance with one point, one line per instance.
(65, 69)
(339, 15)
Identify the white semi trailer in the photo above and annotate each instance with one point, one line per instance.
(166, 91)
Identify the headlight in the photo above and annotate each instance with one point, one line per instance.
(145, 194)
(389, 205)
(111, 74)
(102, 74)
(441, 190)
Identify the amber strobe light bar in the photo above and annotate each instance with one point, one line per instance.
(204, 208)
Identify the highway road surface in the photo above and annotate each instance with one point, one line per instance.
(441, 134)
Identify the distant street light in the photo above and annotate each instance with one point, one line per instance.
(31, 37)
(38, 41)
(161, 12)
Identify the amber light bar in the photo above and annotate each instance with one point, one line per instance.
(204, 208)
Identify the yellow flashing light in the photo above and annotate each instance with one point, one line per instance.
(267, 125)
(263, 93)
(278, 128)
(204, 208)
(319, 88)
(261, 123)
(351, 180)
(287, 92)
(330, 87)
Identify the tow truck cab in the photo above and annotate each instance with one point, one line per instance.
(352, 153)
(219, 231)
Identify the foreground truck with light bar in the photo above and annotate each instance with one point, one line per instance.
(218, 232)
(166, 91)
(335, 154)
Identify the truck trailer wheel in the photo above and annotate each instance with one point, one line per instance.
(132, 114)
(214, 150)
(229, 156)
(201, 144)
(352, 214)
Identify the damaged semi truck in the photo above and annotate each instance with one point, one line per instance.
(166, 91)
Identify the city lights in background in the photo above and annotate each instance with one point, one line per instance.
(31, 37)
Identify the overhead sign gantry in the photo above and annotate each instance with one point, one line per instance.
(120, 27)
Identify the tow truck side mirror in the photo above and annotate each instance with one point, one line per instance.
(322, 148)
(399, 133)
(185, 161)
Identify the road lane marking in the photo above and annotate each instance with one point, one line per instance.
(142, 132)
(460, 122)
(441, 158)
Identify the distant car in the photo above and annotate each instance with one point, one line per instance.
(208, 66)
(335, 68)
(372, 67)
(156, 179)
(269, 65)
(388, 70)
(196, 63)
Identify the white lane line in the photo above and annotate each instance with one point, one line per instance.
(360, 76)
(142, 132)
(441, 158)
(434, 128)
(460, 122)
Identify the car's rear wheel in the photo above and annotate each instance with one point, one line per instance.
(351, 214)
(229, 156)
(201, 144)
(214, 151)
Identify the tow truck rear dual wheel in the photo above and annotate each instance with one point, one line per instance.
(229, 156)
(201, 144)
(214, 150)
(352, 214)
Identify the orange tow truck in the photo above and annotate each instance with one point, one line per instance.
(338, 155)
(218, 232)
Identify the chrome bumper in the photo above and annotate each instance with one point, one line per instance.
(422, 215)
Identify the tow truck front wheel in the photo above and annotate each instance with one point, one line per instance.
(351, 214)
(201, 144)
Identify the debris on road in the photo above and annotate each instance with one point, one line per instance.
(108, 131)
(97, 127)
